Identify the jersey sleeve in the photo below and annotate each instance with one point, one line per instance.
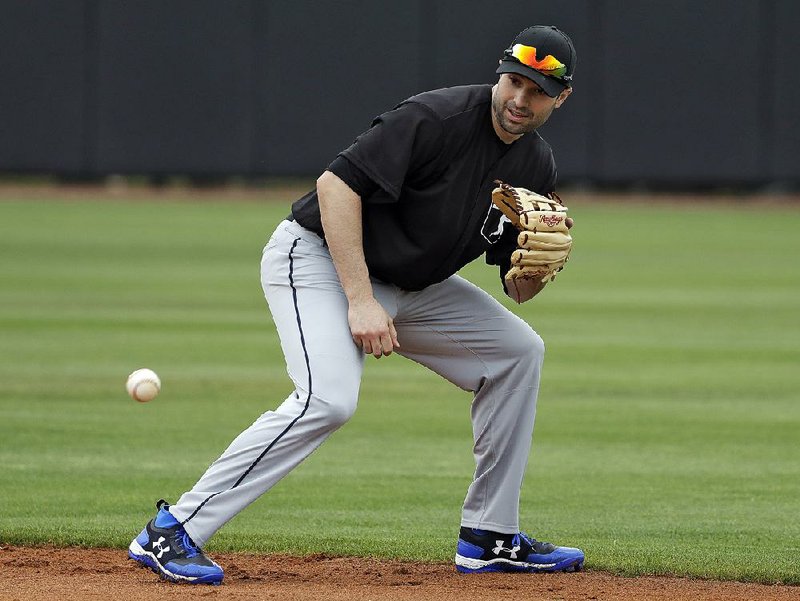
(358, 181)
(397, 144)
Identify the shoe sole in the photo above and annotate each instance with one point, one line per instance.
(148, 560)
(467, 565)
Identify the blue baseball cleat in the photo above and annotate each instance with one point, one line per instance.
(484, 551)
(166, 548)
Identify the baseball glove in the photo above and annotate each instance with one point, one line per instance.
(544, 242)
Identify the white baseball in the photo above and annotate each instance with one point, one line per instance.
(143, 385)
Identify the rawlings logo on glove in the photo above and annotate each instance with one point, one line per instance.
(551, 220)
(544, 242)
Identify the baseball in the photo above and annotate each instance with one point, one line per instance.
(143, 385)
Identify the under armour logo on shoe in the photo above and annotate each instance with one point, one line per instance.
(160, 547)
(512, 552)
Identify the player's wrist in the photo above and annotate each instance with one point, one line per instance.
(360, 297)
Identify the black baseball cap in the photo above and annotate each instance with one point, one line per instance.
(545, 55)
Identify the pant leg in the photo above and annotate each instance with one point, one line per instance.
(460, 332)
(310, 312)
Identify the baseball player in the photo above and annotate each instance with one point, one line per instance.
(366, 264)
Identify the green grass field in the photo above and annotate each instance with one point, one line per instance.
(668, 432)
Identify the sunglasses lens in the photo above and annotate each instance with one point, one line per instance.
(549, 65)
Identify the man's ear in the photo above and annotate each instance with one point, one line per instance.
(562, 97)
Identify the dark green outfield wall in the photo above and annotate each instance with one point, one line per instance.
(680, 92)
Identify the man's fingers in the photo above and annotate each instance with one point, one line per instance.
(378, 347)
(393, 334)
(372, 329)
(387, 345)
(569, 222)
(374, 347)
(371, 346)
(389, 340)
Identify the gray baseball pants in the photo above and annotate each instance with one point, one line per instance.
(454, 328)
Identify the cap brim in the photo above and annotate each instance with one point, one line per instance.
(551, 87)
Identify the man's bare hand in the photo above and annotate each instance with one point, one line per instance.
(372, 328)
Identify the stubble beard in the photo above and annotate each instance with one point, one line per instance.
(514, 129)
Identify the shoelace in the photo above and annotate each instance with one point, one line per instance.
(542, 546)
(182, 540)
(188, 545)
(527, 538)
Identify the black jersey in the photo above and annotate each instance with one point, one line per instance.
(425, 172)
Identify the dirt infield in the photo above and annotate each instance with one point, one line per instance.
(34, 574)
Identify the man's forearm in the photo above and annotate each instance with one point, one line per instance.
(340, 210)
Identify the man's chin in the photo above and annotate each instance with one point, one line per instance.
(516, 129)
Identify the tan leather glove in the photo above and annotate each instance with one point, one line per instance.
(544, 242)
